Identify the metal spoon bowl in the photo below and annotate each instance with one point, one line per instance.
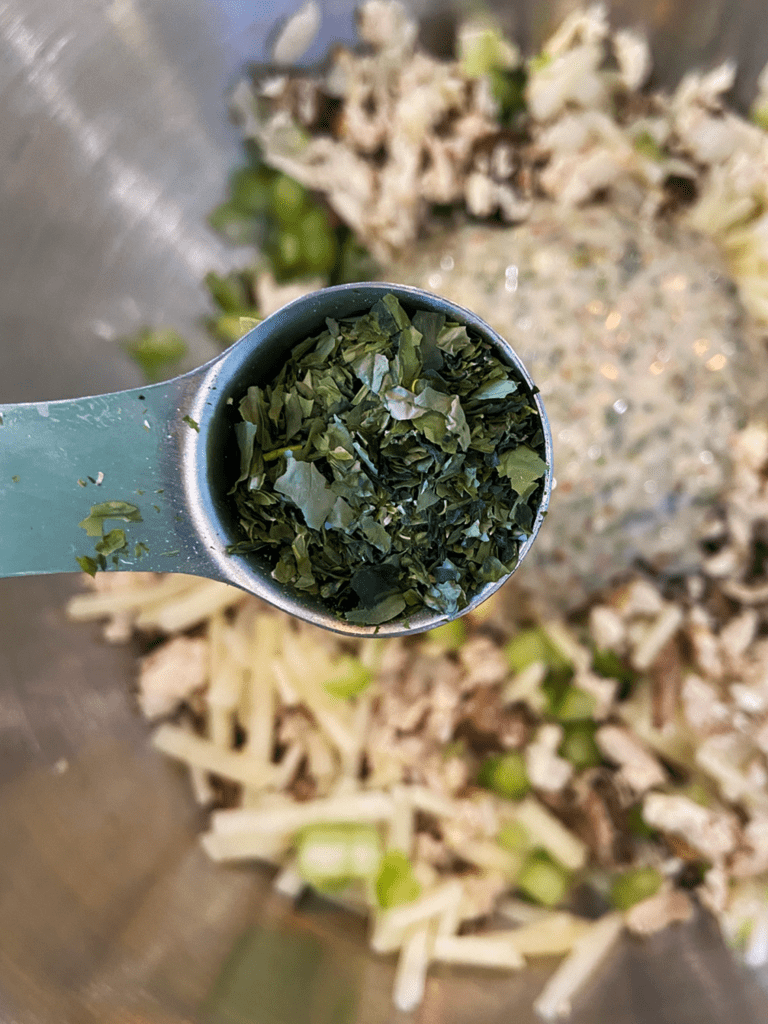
(169, 450)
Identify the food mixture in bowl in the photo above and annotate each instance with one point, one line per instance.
(603, 721)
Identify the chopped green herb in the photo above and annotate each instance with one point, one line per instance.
(395, 883)
(633, 886)
(191, 423)
(140, 549)
(391, 464)
(157, 352)
(15, 479)
(82, 483)
(539, 62)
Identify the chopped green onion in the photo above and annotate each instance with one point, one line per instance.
(229, 293)
(505, 774)
(157, 352)
(330, 856)
(742, 934)
(319, 248)
(230, 327)
(637, 824)
(543, 880)
(450, 636)
(633, 886)
(250, 191)
(236, 227)
(610, 665)
(288, 253)
(247, 323)
(289, 199)
(647, 146)
(508, 89)
(352, 679)
(579, 745)
(531, 645)
(697, 792)
(514, 837)
(484, 51)
(575, 705)
(395, 883)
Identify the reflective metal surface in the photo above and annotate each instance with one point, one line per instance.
(113, 145)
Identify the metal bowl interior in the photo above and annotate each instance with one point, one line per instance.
(113, 146)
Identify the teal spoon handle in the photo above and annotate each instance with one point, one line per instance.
(57, 459)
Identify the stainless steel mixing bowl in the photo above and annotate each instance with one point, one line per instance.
(113, 146)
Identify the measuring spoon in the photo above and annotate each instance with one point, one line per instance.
(169, 450)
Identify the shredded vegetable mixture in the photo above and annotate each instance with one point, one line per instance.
(460, 787)
(456, 787)
(569, 206)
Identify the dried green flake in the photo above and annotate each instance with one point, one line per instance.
(93, 524)
(392, 464)
(88, 565)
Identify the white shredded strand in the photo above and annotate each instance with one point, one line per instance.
(590, 950)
